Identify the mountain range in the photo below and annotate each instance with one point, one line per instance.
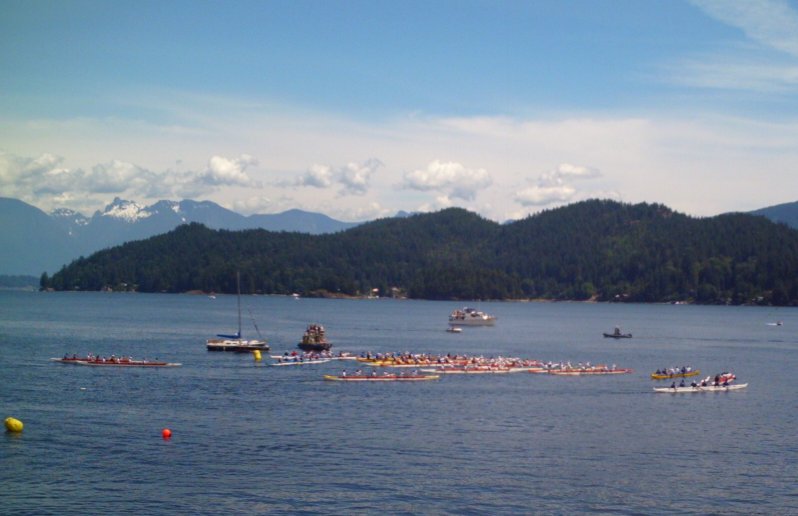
(599, 250)
(32, 241)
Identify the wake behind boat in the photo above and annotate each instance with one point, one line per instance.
(471, 317)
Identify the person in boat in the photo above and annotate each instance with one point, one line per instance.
(717, 379)
(617, 331)
(343, 373)
(693, 384)
(673, 385)
(681, 384)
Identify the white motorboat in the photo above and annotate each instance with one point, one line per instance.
(471, 317)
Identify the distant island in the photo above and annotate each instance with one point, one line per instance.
(593, 250)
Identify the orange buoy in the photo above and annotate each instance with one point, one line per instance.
(166, 433)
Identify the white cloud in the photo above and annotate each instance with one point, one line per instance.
(44, 181)
(555, 186)
(764, 61)
(319, 176)
(450, 177)
(353, 178)
(223, 171)
(773, 23)
(544, 195)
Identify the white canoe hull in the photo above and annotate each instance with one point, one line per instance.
(708, 388)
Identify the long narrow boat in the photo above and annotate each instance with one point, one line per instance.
(471, 370)
(576, 371)
(122, 362)
(381, 378)
(587, 372)
(71, 360)
(708, 388)
(667, 376)
(129, 363)
(316, 356)
(299, 362)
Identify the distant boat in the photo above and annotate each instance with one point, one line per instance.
(314, 339)
(471, 317)
(454, 329)
(235, 342)
(616, 334)
(708, 388)
(381, 378)
(113, 361)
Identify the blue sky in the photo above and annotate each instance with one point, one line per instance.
(359, 109)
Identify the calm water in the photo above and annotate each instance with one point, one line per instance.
(248, 438)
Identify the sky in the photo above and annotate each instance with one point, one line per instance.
(359, 109)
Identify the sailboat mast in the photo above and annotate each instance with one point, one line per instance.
(238, 290)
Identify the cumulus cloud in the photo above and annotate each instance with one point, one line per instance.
(223, 171)
(555, 185)
(319, 176)
(353, 178)
(451, 178)
(46, 181)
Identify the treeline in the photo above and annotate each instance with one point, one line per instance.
(600, 250)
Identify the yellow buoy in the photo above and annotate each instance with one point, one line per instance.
(13, 425)
(256, 352)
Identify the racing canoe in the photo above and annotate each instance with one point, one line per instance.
(708, 388)
(381, 378)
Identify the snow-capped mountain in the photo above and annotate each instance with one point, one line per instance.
(32, 242)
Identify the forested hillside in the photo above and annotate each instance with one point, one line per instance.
(594, 249)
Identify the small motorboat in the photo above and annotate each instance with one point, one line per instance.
(314, 339)
(616, 334)
(471, 317)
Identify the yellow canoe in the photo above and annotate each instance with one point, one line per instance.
(655, 376)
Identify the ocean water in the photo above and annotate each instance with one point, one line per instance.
(253, 439)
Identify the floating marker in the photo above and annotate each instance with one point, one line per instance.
(13, 425)
(166, 434)
(256, 353)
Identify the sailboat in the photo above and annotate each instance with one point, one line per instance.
(235, 342)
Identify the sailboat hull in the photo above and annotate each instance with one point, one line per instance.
(237, 345)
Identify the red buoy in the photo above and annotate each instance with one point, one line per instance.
(166, 433)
